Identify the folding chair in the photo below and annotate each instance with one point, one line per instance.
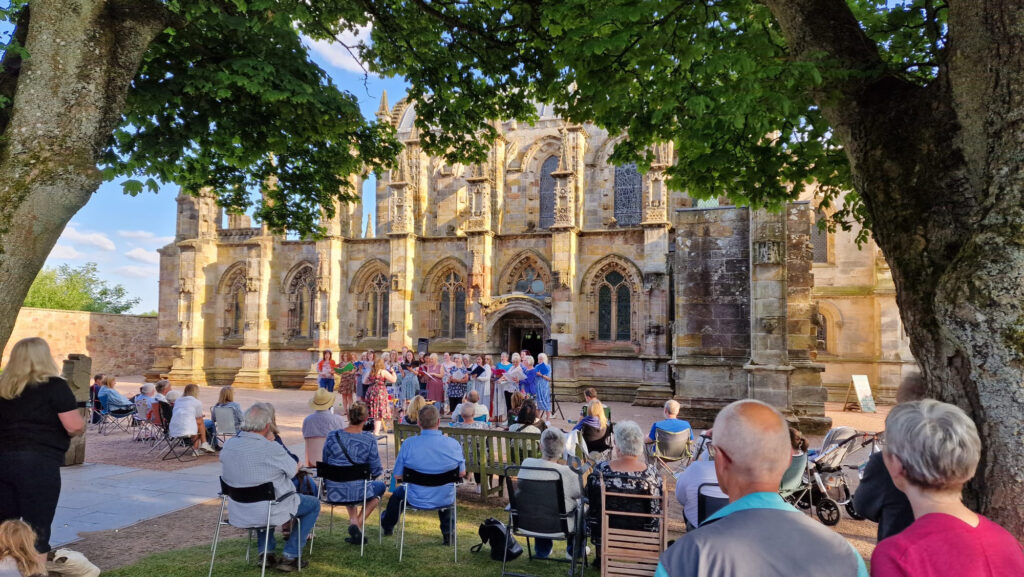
(114, 419)
(627, 552)
(259, 494)
(144, 428)
(672, 447)
(179, 448)
(537, 509)
(224, 417)
(412, 477)
(341, 474)
(709, 501)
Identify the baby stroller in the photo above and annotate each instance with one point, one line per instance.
(823, 485)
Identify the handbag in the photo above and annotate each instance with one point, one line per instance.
(495, 533)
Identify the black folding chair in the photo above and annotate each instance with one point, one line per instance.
(341, 474)
(672, 447)
(537, 509)
(258, 494)
(179, 448)
(412, 477)
(708, 505)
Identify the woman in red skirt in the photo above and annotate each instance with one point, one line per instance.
(377, 394)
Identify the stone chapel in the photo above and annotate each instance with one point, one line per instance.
(649, 294)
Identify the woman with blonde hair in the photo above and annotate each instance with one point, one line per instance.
(188, 420)
(412, 413)
(17, 551)
(377, 393)
(594, 427)
(226, 398)
(38, 417)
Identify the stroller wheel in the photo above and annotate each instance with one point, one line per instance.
(828, 512)
(853, 512)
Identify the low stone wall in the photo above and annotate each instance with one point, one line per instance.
(118, 344)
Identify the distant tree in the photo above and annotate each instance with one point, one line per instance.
(78, 289)
(153, 314)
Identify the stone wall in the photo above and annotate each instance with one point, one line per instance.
(118, 344)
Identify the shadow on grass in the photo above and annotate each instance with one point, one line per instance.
(424, 556)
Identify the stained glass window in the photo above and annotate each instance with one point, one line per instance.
(453, 307)
(819, 238)
(614, 301)
(377, 297)
(628, 190)
(529, 282)
(547, 192)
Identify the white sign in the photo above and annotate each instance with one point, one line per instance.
(863, 388)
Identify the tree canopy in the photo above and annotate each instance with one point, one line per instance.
(78, 289)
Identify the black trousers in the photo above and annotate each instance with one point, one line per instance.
(29, 488)
(452, 403)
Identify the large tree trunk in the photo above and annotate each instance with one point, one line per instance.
(941, 174)
(67, 99)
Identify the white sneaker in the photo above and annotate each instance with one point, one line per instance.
(207, 448)
(569, 556)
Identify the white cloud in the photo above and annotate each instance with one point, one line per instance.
(65, 252)
(143, 255)
(336, 54)
(138, 271)
(95, 239)
(145, 236)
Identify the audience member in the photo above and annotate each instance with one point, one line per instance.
(353, 446)
(319, 424)
(877, 497)
(755, 533)
(18, 557)
(188, 420)
(429, 452)
(112, 400)
(38, 417)
(146, 400)
(163, 386)
(932, 449)
(173, 396)
(594, 427)
(413, 410)
(226, 399)
(626, 472)
(94, 396)
(526, 420)
(688, 483)
(464, 413)
(670, 423)
(552, 448)
(797, 442)
(479, 411)
(253, 458)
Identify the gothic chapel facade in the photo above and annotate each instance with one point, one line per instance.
(648, 295)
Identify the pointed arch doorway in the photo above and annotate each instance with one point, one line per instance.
(520, 325)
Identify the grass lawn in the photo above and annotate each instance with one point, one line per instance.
(424, 556)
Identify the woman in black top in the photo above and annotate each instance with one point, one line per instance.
(38, 416)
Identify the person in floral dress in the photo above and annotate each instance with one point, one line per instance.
(377, 394)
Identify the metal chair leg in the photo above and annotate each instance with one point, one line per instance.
(455, 529)
(298, 523)
(216, 536)
(401, 546)
(266, 545)
(362, 522)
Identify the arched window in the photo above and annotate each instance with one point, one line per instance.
(530, 282)
(237, 311)
(819, 238)
(613, 308)
(301, 292)
(628, 187)
(452, 307)
(547, 192)
(377, 304)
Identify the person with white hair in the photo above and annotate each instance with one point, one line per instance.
(671, 423)
(146, 398)
(932, 449)
(471, 410)
(755, 533)
(552, 449)
(253, 458)
(626, 472)
(542, 384)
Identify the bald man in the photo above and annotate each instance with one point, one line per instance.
(757, 533)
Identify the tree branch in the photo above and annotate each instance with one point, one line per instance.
(10, 68)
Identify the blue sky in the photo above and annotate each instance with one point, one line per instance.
(121, 234)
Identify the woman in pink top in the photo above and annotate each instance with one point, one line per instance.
(932, 449)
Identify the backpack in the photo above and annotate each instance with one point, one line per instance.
(494, 532)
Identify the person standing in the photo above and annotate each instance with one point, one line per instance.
(458, 377)
(325, 369)
(377, 394)
(542, 384)
(38, 417)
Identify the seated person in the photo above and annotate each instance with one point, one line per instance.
(526, 420)
(226, 398)
(594, 427)
(626, 472)
(932, 449)
(146, 399)
(670, 423)
(432, 453)
(413, 410)
(353, 446)
(479, 412)
(552, 448)
(110, 399)
(163, 387)
(318, 425)
(94, 395)
(253, 458)
(515, 403)
(187, 420)
(464, 417)
(688, 482)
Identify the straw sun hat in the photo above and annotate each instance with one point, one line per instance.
(322, 400)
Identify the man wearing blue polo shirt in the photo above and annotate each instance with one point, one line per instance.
(757, 533)
(429, 452)
(670, 423)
